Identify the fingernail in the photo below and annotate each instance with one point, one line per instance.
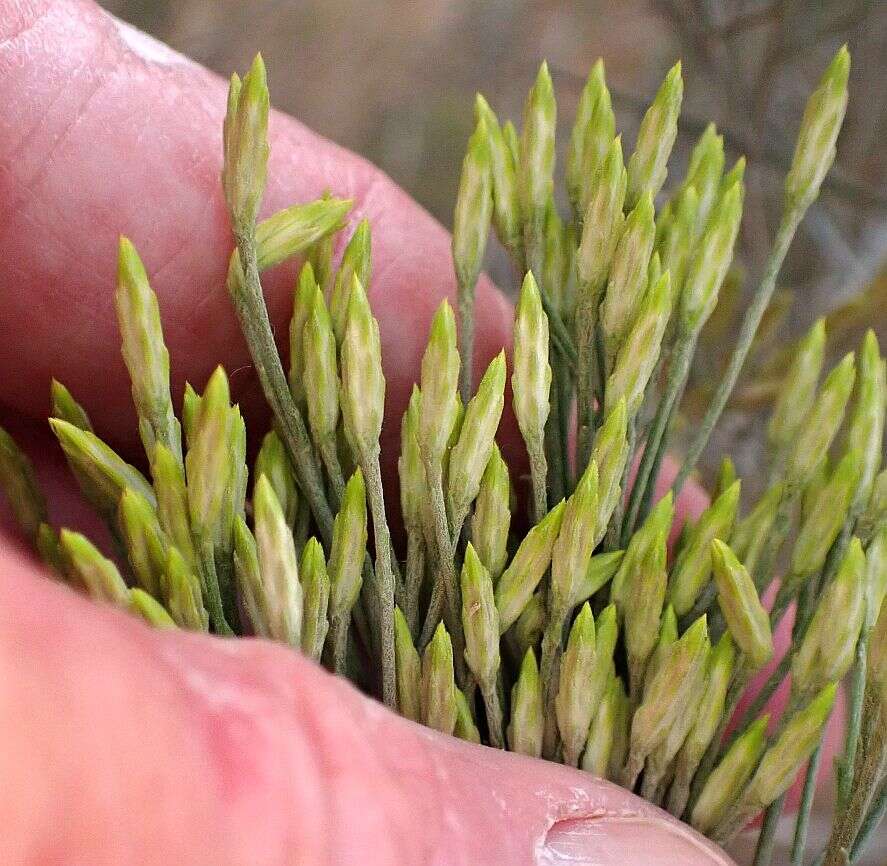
(626, 841)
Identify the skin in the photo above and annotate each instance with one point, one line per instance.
(126, 745)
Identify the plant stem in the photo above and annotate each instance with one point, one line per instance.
(586, 317)
(329, 455)
(747, 331)
(874, 817)
(211, 592)
(844, 767)
(802, 823)
(767, 838)
(552, 640)
(494, 714)
(466, 340)
(339, 628)
(249, 304)
(384, 575)
(415, 573)
(538, 476)
(552, 448)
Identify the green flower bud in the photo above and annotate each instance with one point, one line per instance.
(97, 574)
(527, 724)
(610, 453)
(303, 299)
(628, 277)
(492, 515)
(531, 373)
(439, 404)
(704, 173)
(356, 262)
(18, 482)
(647, 167)
(726, 475)
(729, 778)
(668, 635)
(363, 382)
(574, 705)
(145, 541)
(471, 453)
(751, 533)
(465, 728)
(506, 210)
(438, 693)
(865, 432)
(575, 541)
(278, 566)
(876, 511)
(348, 547)
(692, 568)
(527, 631)
(711, 261)
(145, 353)
(643, 592)
(320, 256)
(474, 204)
(190, 409)
(677, 243)
(480, 620)
(410, 471)
(207, 465)
(821, 422)
(783, 759)
(320, 374)
(815, 147)
(101, 473)
(601, 733)
(639, 354)
(245, 142)
(249, 578)
(601, 568)
(47, 544)
(530, 562)
(149, 609)
(172, 500)
(184, 596)
(536, 165)
(409, 669)
(746, 618)
(827, 650)
(590, 137)
(316, 592)
(554, 261)
(621, 731)
(827, 513)
(64, 406)
(875, 577)
(669, 691)
(798, 387)
(273, 462)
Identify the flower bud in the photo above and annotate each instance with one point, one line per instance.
(97, 574)
(410, 471)
(875, 577)
(356, 262)
(492, 516)
(798, 387)
(320, 376)
(647, 167)
(172, 501)
(527, 712)
(465, 728)
(303, 299)
(751, 533)
(712, 259)
(480, 620)
(602, 732)
(643, 591)
(409, 669)
(531, 373)
(145, 353)
(18, 482)
(827, 650)
(294, 229)
(348, 547)
(474, 204)
(438, 693)
(471, 453)
(536, 165)
(668, 635)
(184, 596)
(278, 567)
(573, 704)
(821, 422)
(746, 618)
(249, 578)
(273, 462)
(610, 453)
(149, 609)
(439, 404)
(316, 596)
(704, 173)
(64, 406)
(363, 382)
(824, 518)
(529, 564)
(729, 777)
(601, 568)
(144, 540)
(815, 147)
(692, 568)
(677, 244)
(628, 277)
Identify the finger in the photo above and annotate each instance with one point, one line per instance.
(111, 132)
(126, 745)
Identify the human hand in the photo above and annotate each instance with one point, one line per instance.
(126, 745)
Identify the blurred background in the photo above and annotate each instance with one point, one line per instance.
(394, 81)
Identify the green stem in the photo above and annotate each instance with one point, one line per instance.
(539, 477)
(564, 405)
(870, 824)
(339, 628)
(211, 592)
(329, 455)
(466, 340)
(249, 304)
(494, 714)
(802, 823)
(384, 576)
(415, 573)
(845, 766)
(747, 331)
(586, 318)
(552, 449)
(767, 837)
(552, 640)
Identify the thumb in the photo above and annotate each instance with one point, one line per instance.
(127, 745)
